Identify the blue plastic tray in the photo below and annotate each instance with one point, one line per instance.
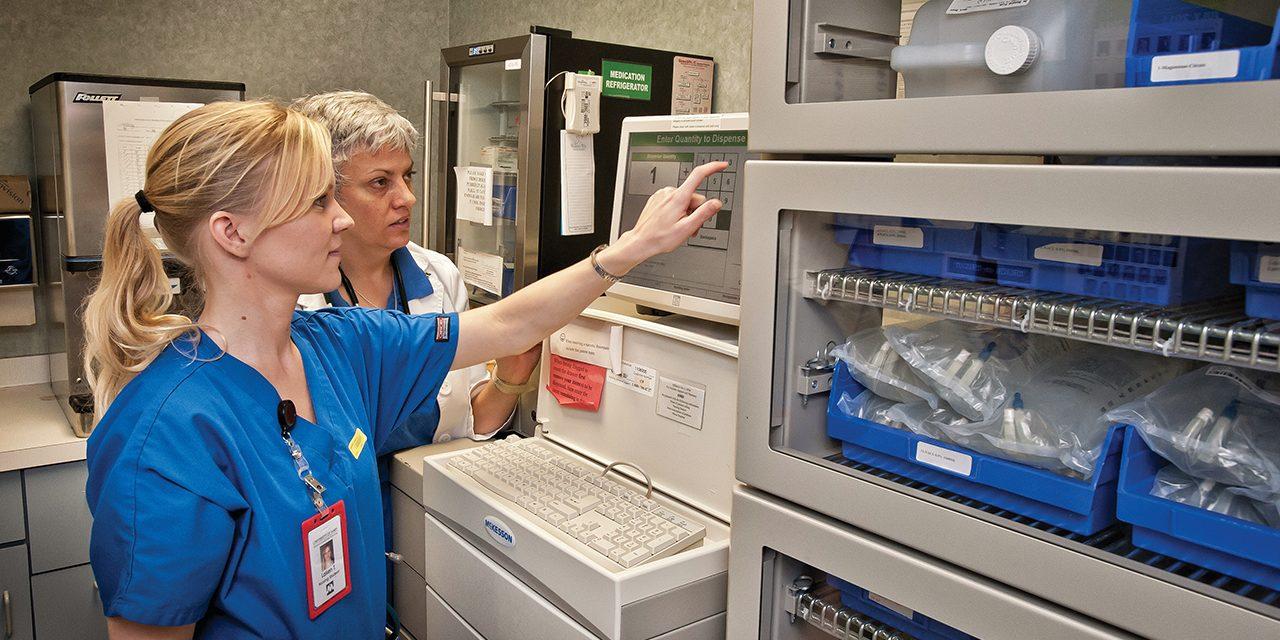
(1079, 506)
(507, 194)
(1240, 549)
(1262, 299)
(1180, 271)
(1160, 28)
(918, 626)
(946, 252)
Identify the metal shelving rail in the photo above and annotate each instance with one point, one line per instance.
(1213, 331)
(811, 606)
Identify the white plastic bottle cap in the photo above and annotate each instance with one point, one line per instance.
(1012, 49)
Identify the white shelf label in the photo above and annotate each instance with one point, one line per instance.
(635, 377)
(936, 456)
(1071, 253)
(910, 237)
(1269, 269)
(900, 609)
(970, 6)
(1196, 66)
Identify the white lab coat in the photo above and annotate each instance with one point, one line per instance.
(449, 295)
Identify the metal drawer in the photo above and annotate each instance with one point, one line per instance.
(15, 594)
(59, 516)
(13, 521)
(67, 605)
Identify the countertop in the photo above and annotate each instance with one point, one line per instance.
(406, 466)
(33, 430)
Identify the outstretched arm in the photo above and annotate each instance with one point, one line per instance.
(516, 323)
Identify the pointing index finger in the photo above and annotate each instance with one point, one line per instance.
(700, 173)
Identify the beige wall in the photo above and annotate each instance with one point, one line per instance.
(279, 49)
(719, 28)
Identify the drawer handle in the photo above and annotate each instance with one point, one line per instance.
(8, 617)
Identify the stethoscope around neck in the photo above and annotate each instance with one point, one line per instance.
(402, 296)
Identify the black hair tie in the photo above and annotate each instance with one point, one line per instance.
(143, 202)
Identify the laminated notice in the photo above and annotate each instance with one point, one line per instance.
(1269, 269)
(681, 401)
(970, 6)
(1071, 253)
(942, 458)
(484, 270)
(1206, 65)
(909, 237)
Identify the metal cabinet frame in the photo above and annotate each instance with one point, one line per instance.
(1216, 119)
(1100, 585)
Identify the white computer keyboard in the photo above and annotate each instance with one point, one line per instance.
(610, 518)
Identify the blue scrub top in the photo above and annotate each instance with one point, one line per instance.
(196, 503)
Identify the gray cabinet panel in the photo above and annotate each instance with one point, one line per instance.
(15, 594)
(67, 605)
(410, 599)
(13, 522)
(59, 516)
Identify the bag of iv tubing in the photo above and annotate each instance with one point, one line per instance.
(1216, 423)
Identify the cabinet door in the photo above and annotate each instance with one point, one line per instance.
(67, 605)
(15, 594)
(59, 516)
(13, 524)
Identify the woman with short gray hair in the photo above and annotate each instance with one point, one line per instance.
(372, 145)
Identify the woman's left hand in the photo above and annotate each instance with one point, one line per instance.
(517, 369)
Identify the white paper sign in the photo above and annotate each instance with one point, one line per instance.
(475, 194)
(936, 456)
(970, 6)
(512, 65)
(1269, 269)
(577, 184)
(635, 377)
(595, 343)
(707, 121)
(483, 270)
(1196, 66)
(681, 401)
(1071, 253)
(910, 237)
(129, 129)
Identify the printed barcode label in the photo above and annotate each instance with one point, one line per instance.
(910, 237)
(969, 6)
(1206, 65)
(1071, 253)
(1269, 269)
(936, 456)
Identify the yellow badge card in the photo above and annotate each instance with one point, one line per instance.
(357, 443)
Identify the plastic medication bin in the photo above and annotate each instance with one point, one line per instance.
(1257, 266)
(914, 245)
(890, 613)
(1230, 546)
(1079, 506)
(1176, 42)
(1142, 268)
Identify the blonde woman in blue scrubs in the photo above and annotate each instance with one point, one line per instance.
(231, 477)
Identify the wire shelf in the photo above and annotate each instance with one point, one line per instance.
(1214, 331)
(812, 608)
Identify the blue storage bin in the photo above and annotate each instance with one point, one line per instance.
(918, 246)
(1157, 270)
(918, 626)
(1249, 260)
(1080, 506)
(1233, 547)
(1211, 46)
(504, 205)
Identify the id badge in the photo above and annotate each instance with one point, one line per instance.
(324, 549)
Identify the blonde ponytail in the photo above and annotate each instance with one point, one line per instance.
(242, 157)
(127, 322)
